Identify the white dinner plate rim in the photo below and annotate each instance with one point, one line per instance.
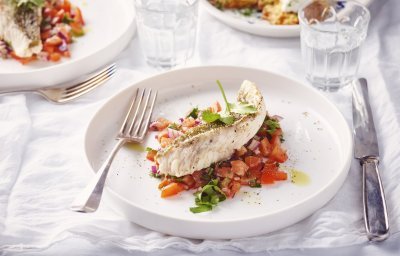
(125, 36)
(344, 171)
(294, 30)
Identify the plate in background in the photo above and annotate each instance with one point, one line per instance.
(109, 26)
(251, 25)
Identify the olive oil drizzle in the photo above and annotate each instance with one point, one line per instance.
(299, 178)
(135, 146)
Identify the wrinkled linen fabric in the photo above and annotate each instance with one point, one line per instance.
(42, 162)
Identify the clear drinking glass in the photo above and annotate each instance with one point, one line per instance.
(167, 30)
(331, 35)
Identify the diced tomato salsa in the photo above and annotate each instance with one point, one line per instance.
(254, 164)
(61, 21)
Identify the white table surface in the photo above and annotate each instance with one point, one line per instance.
(218, 44)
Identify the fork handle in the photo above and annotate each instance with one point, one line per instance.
(6, 92)
(89, 199)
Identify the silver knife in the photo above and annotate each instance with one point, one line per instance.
(366, 150)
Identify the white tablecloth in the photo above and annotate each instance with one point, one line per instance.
(41, 158)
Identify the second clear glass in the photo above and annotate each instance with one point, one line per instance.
(167, 30)
(331, 35)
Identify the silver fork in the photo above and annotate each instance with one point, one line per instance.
(133, 129)
(67, 94)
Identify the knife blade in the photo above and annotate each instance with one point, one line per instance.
(366, 150)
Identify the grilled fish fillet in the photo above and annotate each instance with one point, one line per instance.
(20, 27)
(206, 144)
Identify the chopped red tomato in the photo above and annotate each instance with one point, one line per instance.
(278, 153)
(66, 6)
(55, 56)
(241, 151)
(151, 154)
(164, 183)
(164, 142)
(239, 167)
(280, 175)
(159, 125)
(277, 132)
(162, 134)
(77, 15)
(254, 174)
(253, 162)
(198, 177)
(188, 122)
(49, 48)
(224, 172)
(235, 186)
(215, 107)
(267, 177)
(188, 180)
(171, 189)
(265, 147)
(66, 54)
(262, 131)
(270, 167)
(77, 29)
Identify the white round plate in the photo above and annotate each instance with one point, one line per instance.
(317, 138)
(251, 25)
(109, 26)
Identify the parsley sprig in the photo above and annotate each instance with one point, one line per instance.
(194, 113)
(272, 125)
(226, 116)
(208, 197)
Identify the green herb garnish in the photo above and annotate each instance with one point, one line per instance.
(254, 184)
(246, 11)
(272, 125)
(219, 5)
(209, 116)
(156, 175)
(148, 149)
(175, 178)
(242, 108)
(194, 113)
(174, 126)
(209, 196)
(226, 116)
(66, 19)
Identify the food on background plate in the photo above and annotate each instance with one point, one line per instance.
(276, 12)
(38, 29)
(217, 151)
(20, 26)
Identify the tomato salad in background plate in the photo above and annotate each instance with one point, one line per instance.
(60, 23)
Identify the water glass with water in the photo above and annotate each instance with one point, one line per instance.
(331, 35)
(167, 30)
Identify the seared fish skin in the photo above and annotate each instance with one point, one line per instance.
(20, 27)
(206, 144)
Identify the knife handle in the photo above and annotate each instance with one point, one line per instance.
(375, 213)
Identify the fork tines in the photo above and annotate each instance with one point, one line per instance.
(137, 119)
(97, 79)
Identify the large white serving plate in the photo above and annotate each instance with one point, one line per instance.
(318, 141)
(109, 27)
(252, 25)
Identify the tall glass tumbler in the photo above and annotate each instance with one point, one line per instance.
(167, 30)
(331, 35)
